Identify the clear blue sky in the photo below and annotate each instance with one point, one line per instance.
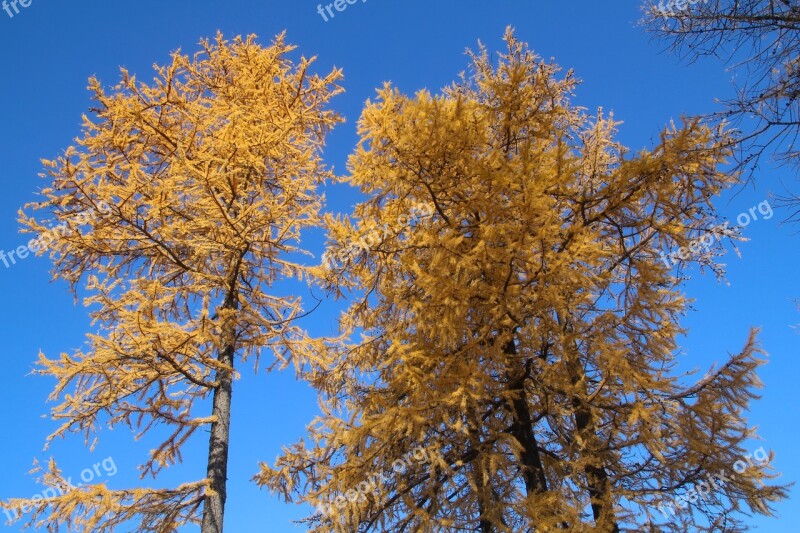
(50, 49)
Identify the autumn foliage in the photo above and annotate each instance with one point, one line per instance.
(210, 172)
(525, 333)
(507, 360)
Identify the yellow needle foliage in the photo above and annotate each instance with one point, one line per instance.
(522, 331)
(181, 206)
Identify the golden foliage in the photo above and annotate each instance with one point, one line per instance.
(524, 333)
(183, 204)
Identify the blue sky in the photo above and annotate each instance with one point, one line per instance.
(50, 49)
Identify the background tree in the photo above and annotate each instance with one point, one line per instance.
(760, 40)
(524, 334)
(181, 206)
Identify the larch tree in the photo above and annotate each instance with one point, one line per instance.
(177, 211)
(512, 367)
(759, 40)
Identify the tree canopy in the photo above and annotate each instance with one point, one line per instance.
(520, 339)
(182, 206)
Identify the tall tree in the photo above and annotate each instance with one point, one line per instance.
(180, 207)
(516, 370)
(760, 40)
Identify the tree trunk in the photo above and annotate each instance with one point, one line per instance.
(214, 507)
(217, 474)
(482, 482)
(597, 480)
(484, 501)
(600, 490)
(522, 428)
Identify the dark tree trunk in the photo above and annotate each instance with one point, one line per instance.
(597, 480)
(483, 505)
(483, 484)
(522, 427)
(217, 473)
(596, 475)
(214, 507)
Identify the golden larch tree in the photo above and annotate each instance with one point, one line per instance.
(181, 206)
(515, 370)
